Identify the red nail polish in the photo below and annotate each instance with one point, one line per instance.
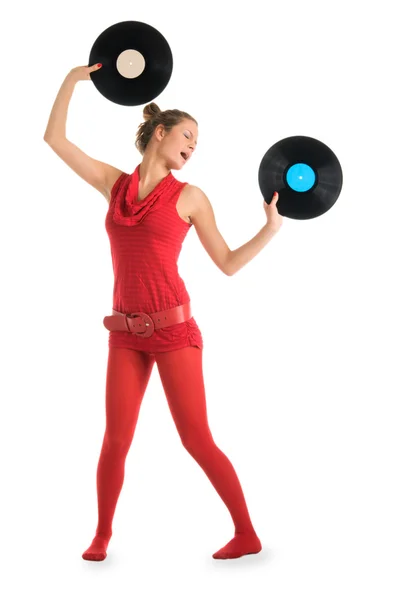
(99, 65)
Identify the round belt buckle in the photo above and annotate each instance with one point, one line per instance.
(149, 324)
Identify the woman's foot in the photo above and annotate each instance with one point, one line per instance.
(97, 550)
(241, 544)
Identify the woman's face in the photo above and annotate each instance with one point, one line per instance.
(178, 145)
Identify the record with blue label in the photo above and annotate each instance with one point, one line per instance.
(306, 174)
(136, 63)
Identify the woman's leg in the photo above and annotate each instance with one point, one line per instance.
(181, 374)
(128, 373)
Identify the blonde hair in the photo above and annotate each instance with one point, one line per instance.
(153, 117)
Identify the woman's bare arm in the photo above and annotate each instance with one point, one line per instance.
(98, 174)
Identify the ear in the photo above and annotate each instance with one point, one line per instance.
(160, 132)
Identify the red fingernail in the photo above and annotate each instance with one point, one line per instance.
(99, 65)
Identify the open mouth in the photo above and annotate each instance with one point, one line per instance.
(184, 155)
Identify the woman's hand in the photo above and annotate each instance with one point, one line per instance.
(82, 73)
(274, 219)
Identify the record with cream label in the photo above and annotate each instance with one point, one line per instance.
(137, 63)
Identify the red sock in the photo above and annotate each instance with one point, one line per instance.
(241, 544)
(128, 373)
(182, 379)
(97, 550)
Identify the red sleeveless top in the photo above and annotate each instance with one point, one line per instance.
(146, 239)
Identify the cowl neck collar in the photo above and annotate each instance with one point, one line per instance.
(131, 211)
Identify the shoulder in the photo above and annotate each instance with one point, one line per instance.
(196, 198)
(197, 205)
(193, 190)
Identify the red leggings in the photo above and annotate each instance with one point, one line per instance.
(181, 373)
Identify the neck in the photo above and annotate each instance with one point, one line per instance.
(152, 170)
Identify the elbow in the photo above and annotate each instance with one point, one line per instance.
(49, 139)
(228, 270)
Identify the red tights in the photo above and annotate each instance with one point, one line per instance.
(181, 373)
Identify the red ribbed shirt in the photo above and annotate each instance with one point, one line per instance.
(146, 239)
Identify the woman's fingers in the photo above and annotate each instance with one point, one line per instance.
(274, 199)
(94, 67)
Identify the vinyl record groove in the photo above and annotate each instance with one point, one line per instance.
(137, 63)
(306, 174)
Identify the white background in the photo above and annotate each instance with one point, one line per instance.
(301, 388)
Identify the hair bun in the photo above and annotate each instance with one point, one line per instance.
(151, 110)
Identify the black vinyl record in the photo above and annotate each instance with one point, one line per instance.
(136, 63)
(306, 174)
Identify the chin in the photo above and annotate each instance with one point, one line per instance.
(175, 166)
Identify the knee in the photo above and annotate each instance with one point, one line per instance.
(116, 445)
(197, 444)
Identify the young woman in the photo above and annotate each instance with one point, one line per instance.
(150, 212)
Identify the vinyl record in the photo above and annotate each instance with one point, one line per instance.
(306, 174)
(136, 63)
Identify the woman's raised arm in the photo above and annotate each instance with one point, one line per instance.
(98, 174)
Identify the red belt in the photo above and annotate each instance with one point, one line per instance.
(144, 324)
